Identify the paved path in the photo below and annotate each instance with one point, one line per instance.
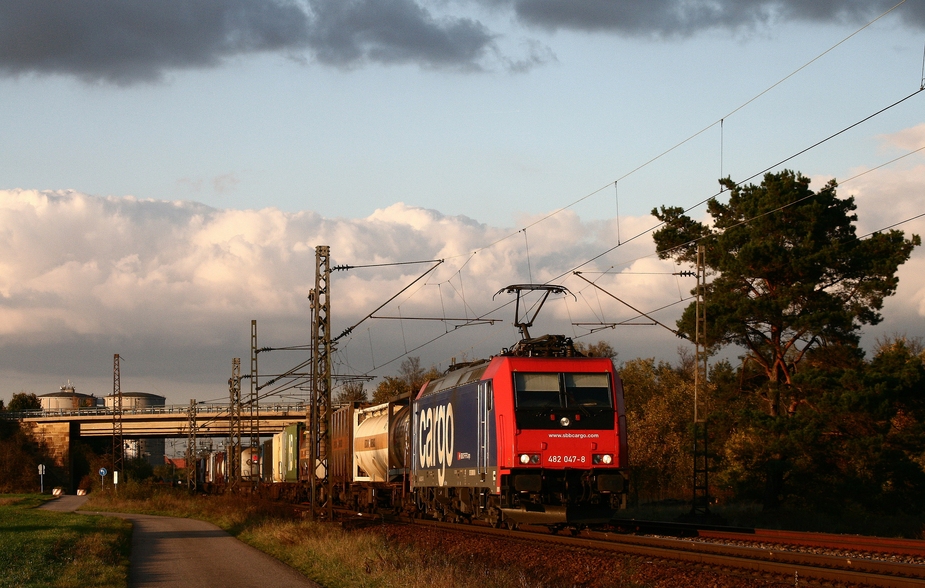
(169, 552)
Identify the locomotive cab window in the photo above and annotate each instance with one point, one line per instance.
(587, 390)
(586, 399)
(537, 390)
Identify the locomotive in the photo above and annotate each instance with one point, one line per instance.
(534, 435)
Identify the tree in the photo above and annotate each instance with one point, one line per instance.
(353, 391)
(24, 401)
(600, 349)
(411, 376)
(659, 401)
(19, 456)
(790, 274)
(388, 388)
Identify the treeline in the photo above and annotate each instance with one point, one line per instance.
(852, 435)
(805, 418)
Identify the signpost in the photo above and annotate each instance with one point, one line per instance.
(42, 477)
(103, 473)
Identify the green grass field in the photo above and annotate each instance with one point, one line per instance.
(45, 548)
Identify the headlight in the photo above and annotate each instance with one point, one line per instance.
(565, 422)
(604, 458)
(524, 458)
(529, 458)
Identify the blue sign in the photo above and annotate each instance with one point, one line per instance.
(103, 472)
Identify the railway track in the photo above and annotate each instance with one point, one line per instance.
(794, 558)
(747, 552)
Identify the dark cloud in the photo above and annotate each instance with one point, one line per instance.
(394, 31)
(128, 41)
(688, 17)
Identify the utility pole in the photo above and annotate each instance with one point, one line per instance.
(700, 504)
(321, 486)
(233, 454)
(118, 445)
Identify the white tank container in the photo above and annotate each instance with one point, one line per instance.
(371, 444)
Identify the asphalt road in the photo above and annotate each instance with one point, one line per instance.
(172, 552)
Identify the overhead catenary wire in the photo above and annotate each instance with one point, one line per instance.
(499, 307)
(721, 123)
(696, 134)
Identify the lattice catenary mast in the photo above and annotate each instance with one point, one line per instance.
(191, 448)
(320, 418)
(700, 505)
(233, 459)
(254, 456)
(118, 445)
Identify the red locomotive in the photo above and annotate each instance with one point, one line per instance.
(534, 435)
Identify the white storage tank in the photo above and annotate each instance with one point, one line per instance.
(137, 400)
(66, 398)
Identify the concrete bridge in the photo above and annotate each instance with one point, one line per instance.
(59, 429)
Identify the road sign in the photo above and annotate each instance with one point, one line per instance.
(103, 472)
(41, 469)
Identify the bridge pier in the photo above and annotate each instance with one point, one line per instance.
(58, 438)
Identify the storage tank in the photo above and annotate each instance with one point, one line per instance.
(66, 398)
(137, 400)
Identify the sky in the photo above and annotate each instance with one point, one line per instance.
(167, 170)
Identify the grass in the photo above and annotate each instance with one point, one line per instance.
(326, 553)
(337, 558)
(40, 548)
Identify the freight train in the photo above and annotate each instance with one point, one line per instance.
(534, 435)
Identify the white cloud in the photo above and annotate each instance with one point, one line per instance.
(106, 273)
(174, 285)
(907, 139)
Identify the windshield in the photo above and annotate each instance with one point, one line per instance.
(587, 390)
(562, 390)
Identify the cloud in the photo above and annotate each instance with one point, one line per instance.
(126, 42)
(910, 139)
(174, 281)
(130, 41)
(685, 18)
(225, 182)
(394, 31)
(172, 286)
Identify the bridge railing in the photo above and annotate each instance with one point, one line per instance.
(203, 409)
